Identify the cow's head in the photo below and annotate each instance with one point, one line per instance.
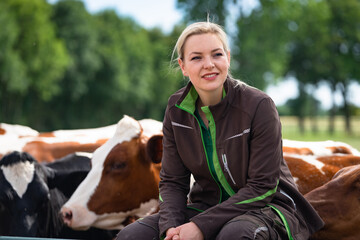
(123, 180)
(338, 204)
(24, 195)
(31, 194)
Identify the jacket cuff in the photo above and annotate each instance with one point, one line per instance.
(205, 227)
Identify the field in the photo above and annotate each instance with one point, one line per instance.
(290, 130)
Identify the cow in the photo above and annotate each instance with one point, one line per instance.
(112, 176)
(338, 204)
(313, 164)
(11, 134)
(48, 146)
(123, 181)
(17, 130)
(319, 148)
(31, 195)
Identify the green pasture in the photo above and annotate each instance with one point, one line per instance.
(290, 130)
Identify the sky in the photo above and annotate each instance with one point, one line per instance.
(148, 13)
(163, 14)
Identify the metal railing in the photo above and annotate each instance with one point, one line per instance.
(28, 238)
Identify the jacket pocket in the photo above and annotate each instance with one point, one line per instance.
(226, 167)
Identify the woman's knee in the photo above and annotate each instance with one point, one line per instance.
(137, 231)
(244, 227)
(128, 232)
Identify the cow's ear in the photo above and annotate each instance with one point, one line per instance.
(154, 148)
(65, 181)
(50, 176)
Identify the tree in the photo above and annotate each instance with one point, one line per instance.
(75, 26)
(199, 10)
(125, 73)
(344, 49)
(260, 54)
(40, 56)
(168, 76)
(311, 40)
(12, 70)
(307, 56)
(325, 47)
(134, 77)
(303, 106)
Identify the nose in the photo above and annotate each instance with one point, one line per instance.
(208, 64)
(67, 216)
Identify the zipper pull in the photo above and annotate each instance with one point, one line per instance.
(227, 168)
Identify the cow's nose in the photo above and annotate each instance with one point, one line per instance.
(66, 216)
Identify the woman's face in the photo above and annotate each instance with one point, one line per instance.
(205, 62)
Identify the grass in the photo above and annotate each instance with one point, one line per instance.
(290, 130)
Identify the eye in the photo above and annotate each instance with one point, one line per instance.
(195, 58)
(118, 166)
(219, 54)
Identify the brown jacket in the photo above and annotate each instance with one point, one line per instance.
(247, 155)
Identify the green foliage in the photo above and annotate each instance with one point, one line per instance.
(12, 71)
(65, 68)
(261, 54)
(76, 27)
(43, 55)
(62, 67)
(310, 40)
(303, 105)
(32, 58)
(325, 46)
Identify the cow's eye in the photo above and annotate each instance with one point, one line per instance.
(118, 166)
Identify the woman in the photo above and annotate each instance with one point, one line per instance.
(228, 136)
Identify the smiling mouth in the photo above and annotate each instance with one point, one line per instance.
(209, 76)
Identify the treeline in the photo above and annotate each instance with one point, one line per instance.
(62, 67)
(312, 41)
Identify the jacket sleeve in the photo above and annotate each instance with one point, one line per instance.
(265, 154)
(174, 182)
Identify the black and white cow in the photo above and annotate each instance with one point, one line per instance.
(31, 195)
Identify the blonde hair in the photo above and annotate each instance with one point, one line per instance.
(199, 28)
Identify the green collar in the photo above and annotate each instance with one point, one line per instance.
(189, 102)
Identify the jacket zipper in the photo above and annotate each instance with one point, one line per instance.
(227, 167)
(202, 140)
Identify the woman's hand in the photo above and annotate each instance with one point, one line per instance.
(172, 234)
(187, 231)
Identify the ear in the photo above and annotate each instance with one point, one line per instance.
(66, 182)
(154, 148)
(67, 173)
(182, 66)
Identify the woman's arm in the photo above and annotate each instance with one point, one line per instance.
(174, 182)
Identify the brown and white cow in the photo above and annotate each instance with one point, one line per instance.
(87, 208)
(16, 130)
(123, 180)
(11, 137)
(46, 147)
(313, 164)
(338, 204)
